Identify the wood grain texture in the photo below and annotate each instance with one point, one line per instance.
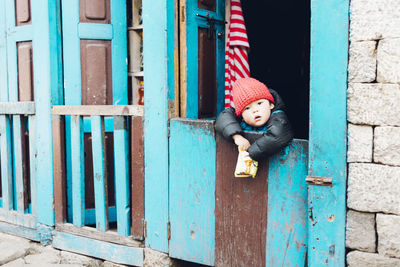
(99, 249)
(241, 210)
(328, 126)
(14, 108)
(6, 163)
(102, 110)
(137, 176)
(90, 232)
(192, 190)
(287, 206)
(99, 173)
(60, 198)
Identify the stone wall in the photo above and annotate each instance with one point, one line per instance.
(373, 196)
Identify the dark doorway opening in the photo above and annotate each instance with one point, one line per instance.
(279, 36)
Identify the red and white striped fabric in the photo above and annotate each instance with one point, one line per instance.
(236, 60)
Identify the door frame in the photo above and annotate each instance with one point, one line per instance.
(327, 143)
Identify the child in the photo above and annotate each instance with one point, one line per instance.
(256, 109)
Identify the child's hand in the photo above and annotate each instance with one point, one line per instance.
(241, 142)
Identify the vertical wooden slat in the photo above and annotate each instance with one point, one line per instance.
(78, 171)
(287, 206)
(137, 169)
(6, 162)
(240, 210)
(18, 166)
(328, 132)
(59, 169)
(192, 190)
(99, 173)
(32, 164)
(121, 156)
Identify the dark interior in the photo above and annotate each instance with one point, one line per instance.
(279, 36)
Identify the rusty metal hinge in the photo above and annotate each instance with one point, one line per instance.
(169, 230)
(319, 180)
(144, 228)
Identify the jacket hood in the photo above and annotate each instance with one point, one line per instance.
(279, 104)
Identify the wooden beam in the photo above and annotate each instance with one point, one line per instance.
(95, 248)
(17, 218)
(100, 110)
(93, 233)
(60, 199)
(17, 108)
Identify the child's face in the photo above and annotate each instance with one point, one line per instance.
(257, 113)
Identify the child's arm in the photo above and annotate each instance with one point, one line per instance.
(279, 134)
(228, 125)
(241, 142)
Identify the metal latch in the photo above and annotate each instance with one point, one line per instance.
(211, 21)
(319, 180)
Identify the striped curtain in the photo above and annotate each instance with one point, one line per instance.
(236, 59)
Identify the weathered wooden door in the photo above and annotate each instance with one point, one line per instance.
(94, 74)
(18, 203)
(202, 49)
(215, 218)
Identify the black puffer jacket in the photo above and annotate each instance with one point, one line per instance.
(279, 132)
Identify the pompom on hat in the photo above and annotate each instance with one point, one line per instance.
(247, 90)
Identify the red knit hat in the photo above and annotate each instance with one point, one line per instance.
(247, 90)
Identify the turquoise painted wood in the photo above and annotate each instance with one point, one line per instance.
(287, 206)
(3, 55)
(47, 65)
(119, 53)
(18, 172)
(73, 32)
(193, 22)
(103, 250)
(122, 168)
(327, 205)
(95, 31)
(18, 218)
(17, 230)
(99, 173)
(172, 47)
(156, 123)
(90, 215)
(77, 171)
(32, 129)
(6, 163)
(192, 190)
(12, 70)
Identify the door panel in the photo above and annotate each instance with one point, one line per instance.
(23, 12)
(207, 97)
(202, 60)
(241, 210)
(95, 72)
(192, 190)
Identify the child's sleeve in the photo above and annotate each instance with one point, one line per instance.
(227, 124)
(279, 134)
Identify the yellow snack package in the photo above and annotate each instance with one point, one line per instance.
(245, 166)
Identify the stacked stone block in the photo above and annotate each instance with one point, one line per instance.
(373, 109)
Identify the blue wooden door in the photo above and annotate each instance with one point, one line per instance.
(18, 202)
(216, 219)
(95, 73)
